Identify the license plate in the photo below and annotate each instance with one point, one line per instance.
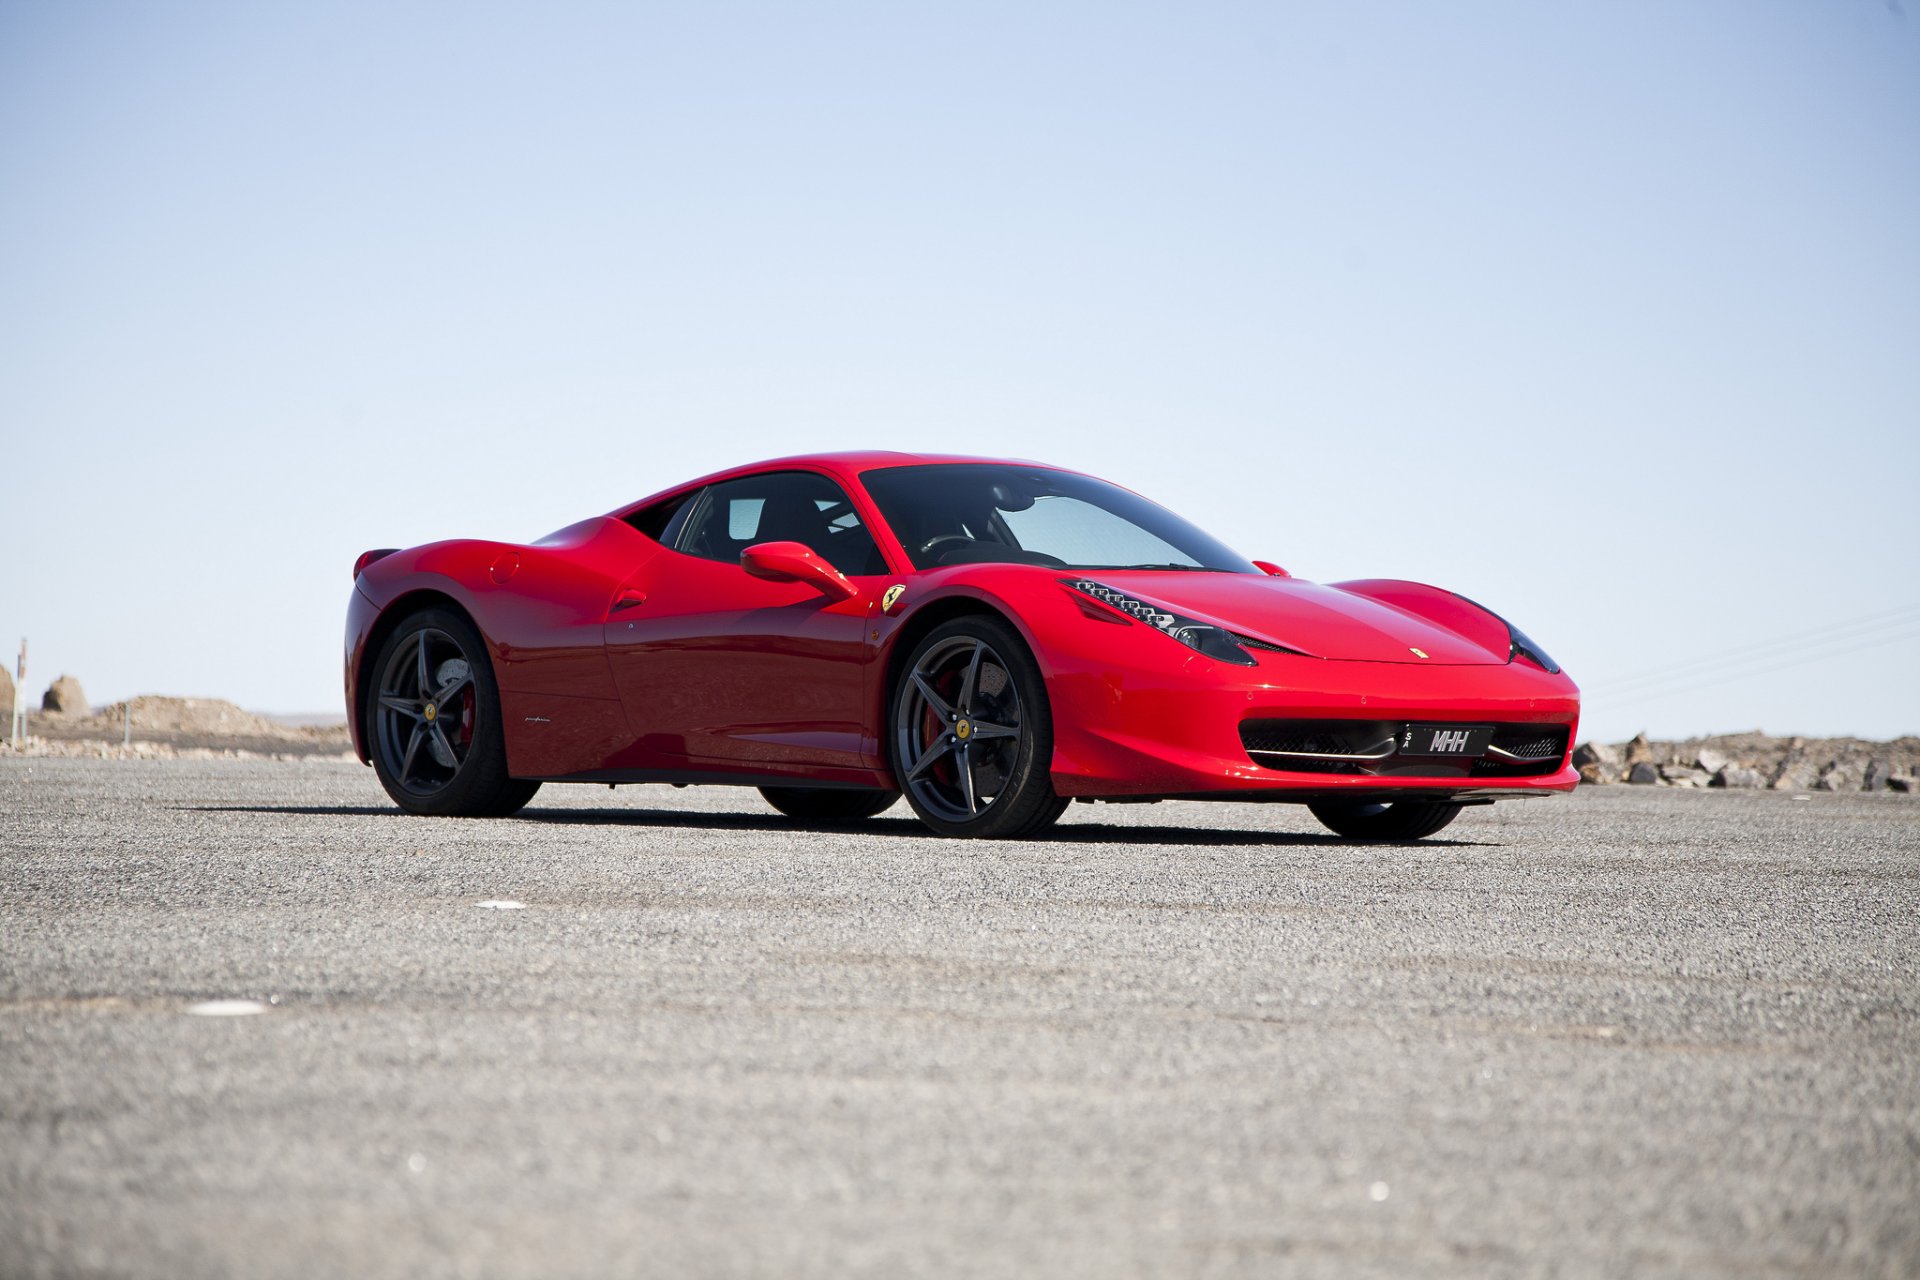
(1445, 739)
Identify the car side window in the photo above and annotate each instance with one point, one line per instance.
(782, 506)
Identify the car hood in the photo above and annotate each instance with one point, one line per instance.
(1319, 620)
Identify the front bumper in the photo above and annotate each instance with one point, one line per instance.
(1138, 732)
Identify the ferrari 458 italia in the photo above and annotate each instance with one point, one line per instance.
(992, 639)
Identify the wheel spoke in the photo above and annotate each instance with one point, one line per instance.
(405, 706)
(443, 749)
(933, 753)
(413, 749)
(981, 729)
(972, 678)
(421, 663)
(964, 767)
(453, 686)
(934, 700)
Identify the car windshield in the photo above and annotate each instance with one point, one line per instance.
(972, 513)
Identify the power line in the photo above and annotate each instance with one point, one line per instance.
(1891, 617)
(1818, 638)
(1650, 694)
(1789, 653)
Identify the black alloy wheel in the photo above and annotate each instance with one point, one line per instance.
(435, 722)
(1383, 821)
(828, 806)
(972, 733)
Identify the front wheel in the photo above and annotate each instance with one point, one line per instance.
(972, 735)
(435, 715)
(817, 804)
(1378, 820)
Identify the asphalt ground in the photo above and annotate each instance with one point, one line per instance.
(1635, 1031)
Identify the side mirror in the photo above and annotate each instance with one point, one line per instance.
(796, 562)
(1270, 569)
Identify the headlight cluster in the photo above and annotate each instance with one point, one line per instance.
(1525, 648)
(1202, 637)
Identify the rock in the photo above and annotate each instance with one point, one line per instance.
(1643, 774)
(6, 694)
(65, 697)
(1904, 782)
(1639, 751)
(1834, 777)
(1680, 775)
(1596, 753)
(1710, 760)
(1738, 776)
(1597, 762)
(1877, 775)
(1794, 774)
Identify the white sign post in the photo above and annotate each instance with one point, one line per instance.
(20, 693)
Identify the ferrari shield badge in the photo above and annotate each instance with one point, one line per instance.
(892, 596)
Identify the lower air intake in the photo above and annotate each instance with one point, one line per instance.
(1370, 748)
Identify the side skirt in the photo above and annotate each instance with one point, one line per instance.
(703, 778)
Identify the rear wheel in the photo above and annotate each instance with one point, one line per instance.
(972, 736)
(1379, 820)
(435, 714)
(817, 804)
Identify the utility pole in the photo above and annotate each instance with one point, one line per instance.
(20, 693)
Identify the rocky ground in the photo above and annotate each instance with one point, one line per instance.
(151, 727)
(1755, 760)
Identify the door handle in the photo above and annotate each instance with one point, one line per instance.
(627, 599)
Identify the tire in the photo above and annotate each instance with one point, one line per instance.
(1400, 820)
(433, 671)
(829, 807)
(971, 734)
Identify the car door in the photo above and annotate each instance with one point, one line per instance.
(722, 669)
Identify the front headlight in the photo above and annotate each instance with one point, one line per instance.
(1202, 637)
(1525, 648)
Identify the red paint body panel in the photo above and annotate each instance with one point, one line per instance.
(718, 667)
(617, 657)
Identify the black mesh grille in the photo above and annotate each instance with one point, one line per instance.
(1540, 748)
(1320, 737)
(1545, 745)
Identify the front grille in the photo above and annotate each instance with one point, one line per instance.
(1369, 748)
(1320, 737)
(1523, 751)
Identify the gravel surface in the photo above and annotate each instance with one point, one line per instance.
(1633, 1031)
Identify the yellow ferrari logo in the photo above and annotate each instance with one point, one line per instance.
(892, 595)
(963, 731)
(430, 712)
(1418, 653)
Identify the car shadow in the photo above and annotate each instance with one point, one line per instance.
(903, 828)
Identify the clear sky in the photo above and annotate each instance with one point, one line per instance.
(1606, 315)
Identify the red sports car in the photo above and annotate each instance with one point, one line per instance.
(992, 638)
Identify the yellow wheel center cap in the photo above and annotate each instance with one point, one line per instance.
(431, 712)
(963, 731)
